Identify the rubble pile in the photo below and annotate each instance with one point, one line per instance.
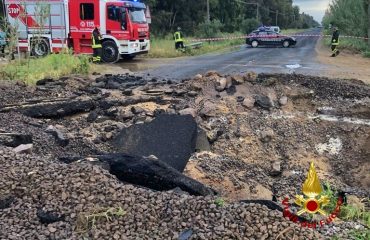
(45, 200)
(255, 138)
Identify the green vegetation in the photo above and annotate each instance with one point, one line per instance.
(347, 212)
(356, 235)
(220, 202)
(89, 221)
(360, 234)
(352, 18)
(165, 48)
(225, 16)
(292, 31)
(53, 66)
(351, 44)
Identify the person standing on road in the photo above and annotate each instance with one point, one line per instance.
(179, 41)
(335, 42)
(2, 42)
(96, 44)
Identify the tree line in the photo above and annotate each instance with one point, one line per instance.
(351, 17)
(225, 16)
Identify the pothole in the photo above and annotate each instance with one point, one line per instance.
(259, 135)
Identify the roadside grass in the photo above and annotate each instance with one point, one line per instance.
(358, 46)
(54, 66)
(293, 31)
(165, 48)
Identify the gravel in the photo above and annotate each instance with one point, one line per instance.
(79, 190)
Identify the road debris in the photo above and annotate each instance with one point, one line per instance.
(255, 149)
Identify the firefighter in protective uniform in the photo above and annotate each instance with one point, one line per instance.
(96, 44)
(179, 41)
(335, 42)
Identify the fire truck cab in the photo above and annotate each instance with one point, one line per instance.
(69, 23)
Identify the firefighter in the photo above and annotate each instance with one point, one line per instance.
(2, 42)
(10, 35)
(96, 44)
(179, 42)
(335, 42)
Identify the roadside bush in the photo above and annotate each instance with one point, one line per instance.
(367, 54)
(248, 25)
(210, 29)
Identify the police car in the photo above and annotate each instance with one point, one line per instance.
(268, 37)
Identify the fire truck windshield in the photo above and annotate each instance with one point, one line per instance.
(137, 15)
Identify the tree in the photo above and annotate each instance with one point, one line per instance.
(368, 23)
(349, 16)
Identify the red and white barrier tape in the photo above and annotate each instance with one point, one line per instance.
(269, 36)
(261, 36)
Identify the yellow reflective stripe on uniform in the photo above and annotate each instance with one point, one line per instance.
(93, 42)
(178, 37)
(334, 42)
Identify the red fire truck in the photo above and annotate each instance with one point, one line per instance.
(46, 26)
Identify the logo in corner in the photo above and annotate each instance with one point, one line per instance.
(312, 190)
(312, 203)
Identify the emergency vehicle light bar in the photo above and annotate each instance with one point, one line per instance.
(133, 3)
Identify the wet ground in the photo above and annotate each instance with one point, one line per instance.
(298, 59)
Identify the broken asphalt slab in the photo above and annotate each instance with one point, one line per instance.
(146, 172)
(14, 139)
(171, 138)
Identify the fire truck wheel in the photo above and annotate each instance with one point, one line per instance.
(40, 48)
(110, 52)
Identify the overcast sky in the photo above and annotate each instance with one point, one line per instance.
(315, 8)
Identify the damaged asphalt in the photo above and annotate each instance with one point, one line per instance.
(244, 137)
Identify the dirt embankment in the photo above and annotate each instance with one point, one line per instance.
(347, 65)
(257, 136)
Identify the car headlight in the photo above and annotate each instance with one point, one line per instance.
(293, 38)
(134, 45)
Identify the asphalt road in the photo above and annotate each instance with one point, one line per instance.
(298, 59)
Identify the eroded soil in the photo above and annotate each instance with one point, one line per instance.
(306, 119)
